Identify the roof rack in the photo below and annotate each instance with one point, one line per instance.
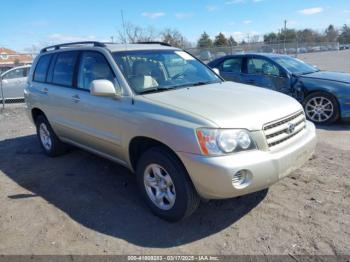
(154, 43)
(56, 47)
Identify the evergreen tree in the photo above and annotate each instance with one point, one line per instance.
(204, 41)
(220, 40)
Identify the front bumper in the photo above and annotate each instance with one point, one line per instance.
(212, 176)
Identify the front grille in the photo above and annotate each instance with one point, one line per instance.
(281, 130)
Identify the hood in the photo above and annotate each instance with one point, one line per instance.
(331, 76)
(229, 105)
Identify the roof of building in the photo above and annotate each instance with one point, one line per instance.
(8, 56)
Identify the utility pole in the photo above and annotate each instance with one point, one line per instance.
(285, 35)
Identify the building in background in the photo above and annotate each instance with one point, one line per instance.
(10, 59)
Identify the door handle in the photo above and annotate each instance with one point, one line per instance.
(44, 91)
(76, 98)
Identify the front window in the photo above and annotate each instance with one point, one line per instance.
(16, 73)
(259, 66)
(156, 70)
(294, 65)
(93, 66)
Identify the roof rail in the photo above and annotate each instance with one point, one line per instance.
(56, 47)
(154, 43)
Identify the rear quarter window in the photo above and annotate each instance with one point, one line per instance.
(42, 68)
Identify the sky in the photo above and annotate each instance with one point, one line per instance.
(24, 23)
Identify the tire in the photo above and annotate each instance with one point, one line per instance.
(321, 108)
(48, 140)
(165, 164)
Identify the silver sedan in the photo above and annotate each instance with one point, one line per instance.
(13, 82)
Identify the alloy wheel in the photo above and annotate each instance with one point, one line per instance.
(45, 136)
(319, 109)
(159, 186)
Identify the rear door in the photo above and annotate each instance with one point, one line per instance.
(231, 68)
(58, 92)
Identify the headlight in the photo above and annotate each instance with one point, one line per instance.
(224, 141)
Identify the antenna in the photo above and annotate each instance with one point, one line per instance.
(124, 29)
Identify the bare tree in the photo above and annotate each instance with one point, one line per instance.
(134, 34)
(173, 37)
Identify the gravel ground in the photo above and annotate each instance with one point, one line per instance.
(82, 204)
(331, 60)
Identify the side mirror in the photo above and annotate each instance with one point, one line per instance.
(103, 88)
(217, 71)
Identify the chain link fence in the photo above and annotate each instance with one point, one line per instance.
(205, 54)
(290, 48)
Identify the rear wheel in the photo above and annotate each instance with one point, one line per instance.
(49, 141)
(165, 185)
(321, 108)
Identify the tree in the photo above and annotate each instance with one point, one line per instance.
(307, 35)
(270, 37)
(344, 37)
(231, 41)
(220, 40)
(173, 37)
(255, 39)
(289, 35)
(16, 62)
(204, 41)
(331, 34)
(134, 34)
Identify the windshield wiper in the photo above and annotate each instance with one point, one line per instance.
(155, 89)
(310, 72)
(199, 83)
(162, 89)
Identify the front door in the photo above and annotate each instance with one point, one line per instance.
(97, 117)
(264, 73)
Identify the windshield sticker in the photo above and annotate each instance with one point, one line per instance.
(184, 55)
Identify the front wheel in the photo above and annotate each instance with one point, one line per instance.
(165, 185)
(321, 108)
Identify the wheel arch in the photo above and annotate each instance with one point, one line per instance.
(35, 112)
(140, 144)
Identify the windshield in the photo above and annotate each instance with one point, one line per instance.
(295, 66)
(159, 70)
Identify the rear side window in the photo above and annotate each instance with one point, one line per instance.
(232, 65)
(64, 68)
(41, 68)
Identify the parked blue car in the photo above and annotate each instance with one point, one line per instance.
(324, 95)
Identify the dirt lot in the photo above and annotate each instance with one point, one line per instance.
(82, 204)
